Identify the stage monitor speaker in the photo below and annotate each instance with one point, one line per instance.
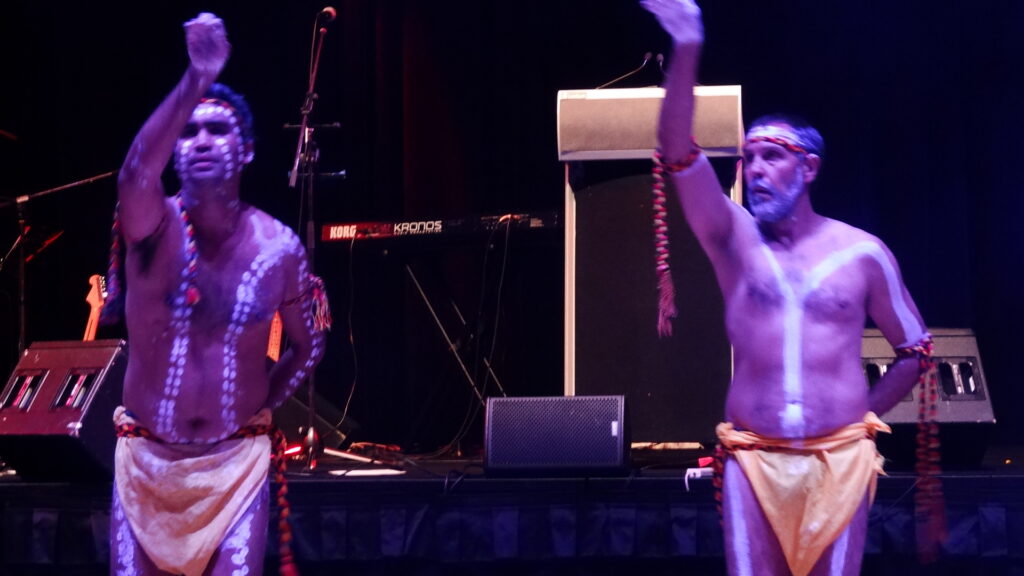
(965, 413)
(56, 409)
(561, 435)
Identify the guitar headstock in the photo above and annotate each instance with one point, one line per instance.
(97, 291)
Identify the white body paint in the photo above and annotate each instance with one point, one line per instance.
(271, 250)
(792, 416)
(738, 518)
(181, 324)
(838, 564)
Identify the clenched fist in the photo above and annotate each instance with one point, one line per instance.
(680, 18)
(207, 44)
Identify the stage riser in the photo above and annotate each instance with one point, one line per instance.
(519, 526)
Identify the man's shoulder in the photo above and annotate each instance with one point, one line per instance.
(273, 234)
(848, 235)
(270, 225)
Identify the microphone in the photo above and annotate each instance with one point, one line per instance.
(328, 14)
(647, 58)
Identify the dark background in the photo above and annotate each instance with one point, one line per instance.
(448, 110)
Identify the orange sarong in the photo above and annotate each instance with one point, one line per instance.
(809, 488)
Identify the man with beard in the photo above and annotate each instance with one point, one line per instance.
(800, 460)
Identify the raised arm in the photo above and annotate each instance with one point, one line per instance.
(707, 209)
(140, 191)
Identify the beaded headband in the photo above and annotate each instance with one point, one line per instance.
(778, 136)
(221, 103)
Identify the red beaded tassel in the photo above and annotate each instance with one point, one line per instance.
(717, 478)
(929, 503)
(191, 255)
(284, 528)
(666, 288)
(113, 305)
(321, 307)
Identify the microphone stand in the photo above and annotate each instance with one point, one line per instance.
(305, 161)
(19, 243)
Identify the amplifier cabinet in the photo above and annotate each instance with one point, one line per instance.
(56, 408)
(963, 392)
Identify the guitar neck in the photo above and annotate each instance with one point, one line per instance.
(274, 342)
(91, 324)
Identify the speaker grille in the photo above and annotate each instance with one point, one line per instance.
(963, 390)
(56, 407)
(572, 433)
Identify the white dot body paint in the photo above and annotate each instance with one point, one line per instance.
(792, 417)
(273, 247)
(181, 324)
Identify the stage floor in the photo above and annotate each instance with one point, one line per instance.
(446, 516)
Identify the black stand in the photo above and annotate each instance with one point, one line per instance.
(448, 340)
(305, 163)
(19, 243)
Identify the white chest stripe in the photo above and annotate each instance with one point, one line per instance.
(792, 415)
(912, 329)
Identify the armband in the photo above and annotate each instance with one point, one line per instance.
(675, 167)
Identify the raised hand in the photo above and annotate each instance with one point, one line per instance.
(680, 18)
(207, 44)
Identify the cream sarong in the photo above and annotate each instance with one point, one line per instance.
(180, 499)
(809, 488)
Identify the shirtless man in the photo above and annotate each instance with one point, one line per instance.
(204, 275)
(797, 288)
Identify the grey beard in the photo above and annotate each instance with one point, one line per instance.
(780, 206)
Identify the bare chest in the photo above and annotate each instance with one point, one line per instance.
(819, 284)
(242, 288)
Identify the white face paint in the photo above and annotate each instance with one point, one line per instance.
(792, 417)
(211, 145)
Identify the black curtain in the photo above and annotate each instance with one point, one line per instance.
(447, 109)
